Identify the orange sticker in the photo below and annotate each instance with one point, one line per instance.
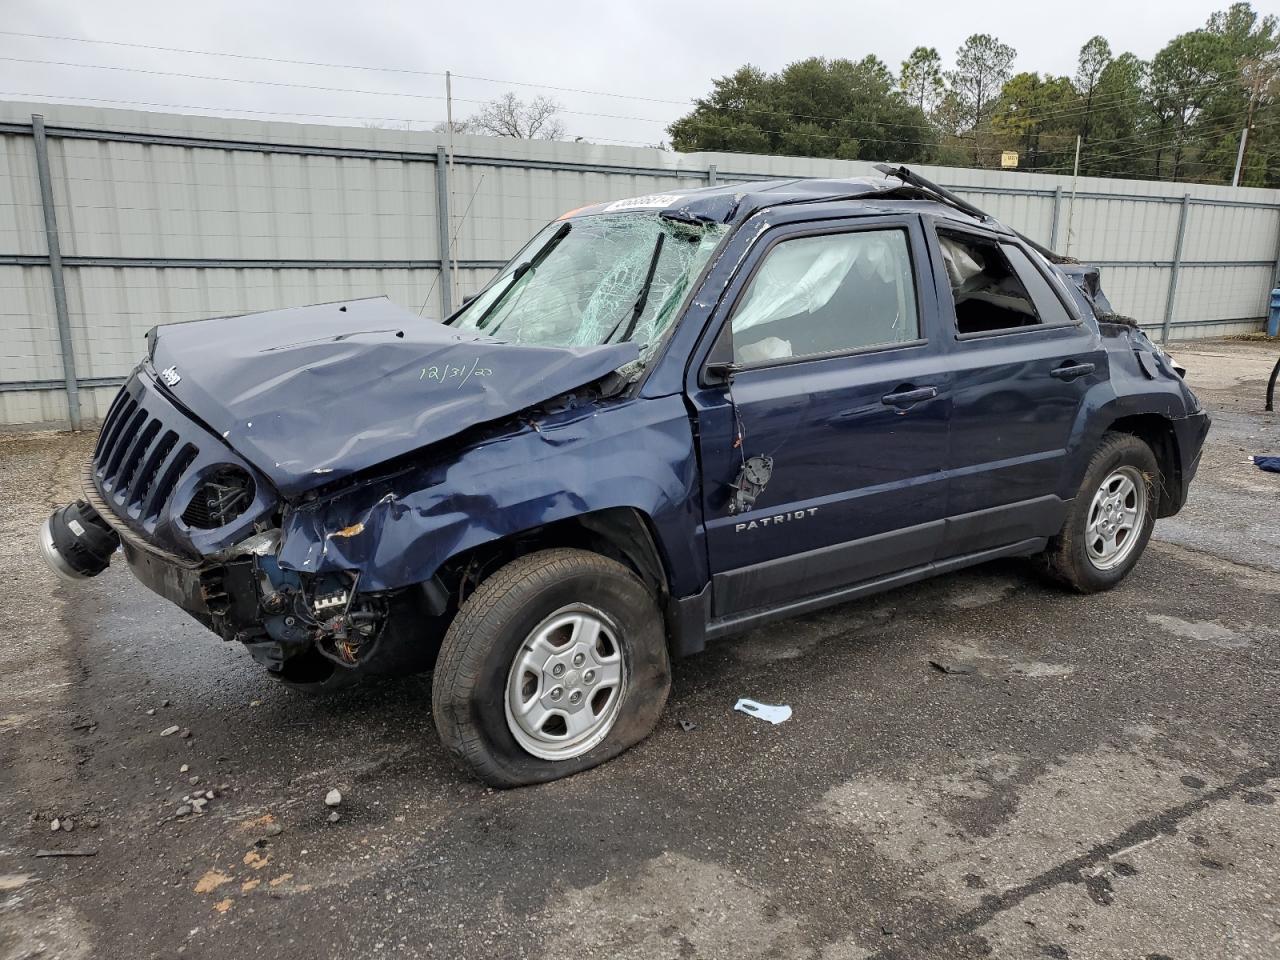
(566, 215)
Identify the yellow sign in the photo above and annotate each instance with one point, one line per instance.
(1009, 158)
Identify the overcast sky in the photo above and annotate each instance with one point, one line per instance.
(659, 50)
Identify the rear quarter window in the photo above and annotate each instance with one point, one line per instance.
(1047, 302)
(995, 286)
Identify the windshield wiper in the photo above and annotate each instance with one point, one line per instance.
(531, 264)
(641, 298)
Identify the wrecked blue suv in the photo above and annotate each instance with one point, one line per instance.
(665, 420)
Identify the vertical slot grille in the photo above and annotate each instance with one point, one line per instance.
(169, 476)
(150, 469)
(129, 466)
(110, 422)
(121, 444)
(111, 432)
(141, 456)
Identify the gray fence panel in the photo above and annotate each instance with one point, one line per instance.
(166, 218)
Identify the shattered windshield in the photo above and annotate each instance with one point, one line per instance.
(601, 279)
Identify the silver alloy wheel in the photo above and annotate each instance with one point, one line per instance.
(1116, 516)
(566, 684)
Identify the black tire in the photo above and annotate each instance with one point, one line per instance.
(469, 688)
(1067, 557)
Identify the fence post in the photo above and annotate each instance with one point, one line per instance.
(712, 176)
(1275, 275)
(442, 222)
(1053, 224)
(55, 270)
(1177, 264)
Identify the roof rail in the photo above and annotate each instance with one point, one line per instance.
(928, 186)
(949, 198)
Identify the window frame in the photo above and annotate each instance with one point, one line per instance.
(998, 240)
(1054, 282)
(784, 235)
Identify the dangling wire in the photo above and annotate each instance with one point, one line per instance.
(739, 430)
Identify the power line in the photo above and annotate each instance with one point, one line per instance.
(200, 76)
(274, 113)
(300, 86)
(1146, 151)
(215, 53)
(768, 111)
(1062, 114)
(1222, 129)
(335, 66)
(277, 83)
(1115, 101)
(896, 141)
(198, 106)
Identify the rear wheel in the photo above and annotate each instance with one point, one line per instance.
(556, 663)
(1111, 519)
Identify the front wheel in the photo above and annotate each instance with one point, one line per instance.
(556, 663)
(1111, 518)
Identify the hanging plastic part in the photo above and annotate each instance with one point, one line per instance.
(752, 479)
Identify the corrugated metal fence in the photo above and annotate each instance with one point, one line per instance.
(112, 221)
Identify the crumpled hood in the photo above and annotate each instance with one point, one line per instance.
(310, 394)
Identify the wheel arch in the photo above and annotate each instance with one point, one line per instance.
(625, 534)
(1157, 432)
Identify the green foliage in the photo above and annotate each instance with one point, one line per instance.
(921, 80)
(1179, 116)
(812, 108)
(1037, 117)
(1116, 121)
(983, 66)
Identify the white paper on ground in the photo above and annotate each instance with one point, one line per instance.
(765, 711)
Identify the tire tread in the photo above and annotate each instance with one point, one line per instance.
(1062, 557)
(477, 626)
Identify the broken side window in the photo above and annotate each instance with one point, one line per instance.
(985, 288)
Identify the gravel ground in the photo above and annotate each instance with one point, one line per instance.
(1102, 784)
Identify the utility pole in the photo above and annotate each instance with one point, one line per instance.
(1256, 70)
(1071, 210)
(448, 106)
(1244, 139)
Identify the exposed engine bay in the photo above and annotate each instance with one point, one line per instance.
(306, 629)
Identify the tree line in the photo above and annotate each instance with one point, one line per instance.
(1177, 116)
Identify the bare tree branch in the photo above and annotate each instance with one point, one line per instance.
(509, 116)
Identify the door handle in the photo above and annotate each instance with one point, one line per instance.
(1070, 371)
(905, 398)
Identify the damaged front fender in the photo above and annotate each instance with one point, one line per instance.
(399, 529)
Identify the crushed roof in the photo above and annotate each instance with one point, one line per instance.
(724, 203)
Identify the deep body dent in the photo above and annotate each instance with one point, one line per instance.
(1143, 395)
(398, 529)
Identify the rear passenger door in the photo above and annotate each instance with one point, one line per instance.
(838, 384)
(1022, 363)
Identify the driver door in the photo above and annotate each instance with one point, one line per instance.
(840, 389)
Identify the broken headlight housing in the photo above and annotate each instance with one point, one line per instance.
(219, 498)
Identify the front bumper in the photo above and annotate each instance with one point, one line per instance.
(1190, 433)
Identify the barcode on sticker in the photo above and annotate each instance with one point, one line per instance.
(650, 201)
